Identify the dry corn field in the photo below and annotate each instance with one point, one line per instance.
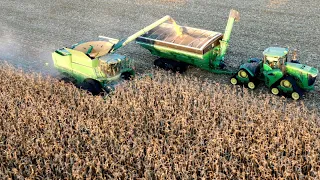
(170, 127)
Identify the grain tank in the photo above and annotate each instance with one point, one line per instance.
(201, 48)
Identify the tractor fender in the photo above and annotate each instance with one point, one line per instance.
(251, 68)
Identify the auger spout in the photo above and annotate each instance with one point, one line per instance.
(145, 30)
(233, 16)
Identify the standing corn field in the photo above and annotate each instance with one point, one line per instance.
(171, 127)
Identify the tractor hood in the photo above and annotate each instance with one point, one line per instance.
(305, 74)
(301, 68)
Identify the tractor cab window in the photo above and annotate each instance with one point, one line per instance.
(283, 59)
(110, 69)
(273, 62)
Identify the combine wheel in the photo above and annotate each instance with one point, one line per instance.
(275, 91)
(92, 86)
(234, 81)
(251, 85)
(295, 95)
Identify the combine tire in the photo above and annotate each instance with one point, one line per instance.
(92, 86)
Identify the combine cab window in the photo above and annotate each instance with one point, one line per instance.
(110, 69)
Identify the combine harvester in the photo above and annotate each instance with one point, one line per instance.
(94, 65)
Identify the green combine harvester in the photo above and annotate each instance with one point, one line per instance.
(282, 77)
(94, 66)
(201, 48)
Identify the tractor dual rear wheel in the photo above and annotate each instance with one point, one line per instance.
(289, 82)
(243, 74)
(275, 91)
(234, 81)
(251, 85)
(295, 95)
(285, 83)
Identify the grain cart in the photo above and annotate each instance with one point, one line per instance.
(201, 48)
(282, 77)
(94, 64)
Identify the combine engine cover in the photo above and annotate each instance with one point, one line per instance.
(304, 75)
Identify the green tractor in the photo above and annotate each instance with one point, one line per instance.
(280, 76)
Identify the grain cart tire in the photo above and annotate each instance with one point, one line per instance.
(180, 67)
(158, 63)
(92, 86)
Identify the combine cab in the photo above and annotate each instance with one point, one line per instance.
(282, 77)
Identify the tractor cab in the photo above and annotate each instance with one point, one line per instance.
(274, 58)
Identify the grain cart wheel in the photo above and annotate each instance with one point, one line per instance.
(234, 81)
(251, 85)
(295, 95)
(159, 63)
(275, 91)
